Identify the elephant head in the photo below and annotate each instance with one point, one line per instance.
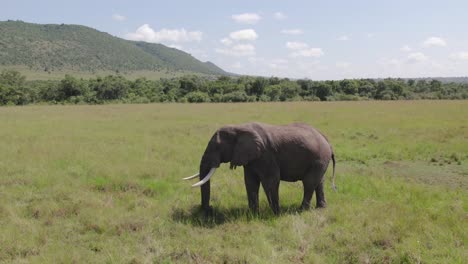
(235, 144)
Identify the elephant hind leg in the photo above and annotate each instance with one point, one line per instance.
(309, 187)
(320, 195)
(313, 182)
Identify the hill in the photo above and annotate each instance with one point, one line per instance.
(53, 48)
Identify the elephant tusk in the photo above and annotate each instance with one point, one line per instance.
(207, 178)
(191, 177)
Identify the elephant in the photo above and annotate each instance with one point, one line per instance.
(269, 154)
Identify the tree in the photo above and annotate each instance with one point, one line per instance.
(436, 86)
(323, 90)
(273, 92)
(13, 89)
(71, 86)
(12, 78)
(258, 87)
(289, 90)
(197, 97)
(111, 88)
(349, 87)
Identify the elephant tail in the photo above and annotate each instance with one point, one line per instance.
(333, 175)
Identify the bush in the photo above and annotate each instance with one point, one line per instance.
(236, 96)
(197, 97)
(311, 98)
(346, 97)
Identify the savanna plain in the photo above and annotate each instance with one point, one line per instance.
(102, 184)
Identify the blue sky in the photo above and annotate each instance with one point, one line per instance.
(298, 39)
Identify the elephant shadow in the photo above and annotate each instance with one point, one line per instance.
(195, 216)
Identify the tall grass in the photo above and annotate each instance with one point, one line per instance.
(102, 184)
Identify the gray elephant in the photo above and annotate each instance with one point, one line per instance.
(295, 152)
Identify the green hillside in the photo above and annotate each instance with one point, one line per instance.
(78, 49)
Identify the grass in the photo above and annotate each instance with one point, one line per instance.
(103, 184)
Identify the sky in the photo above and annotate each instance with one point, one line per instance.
(319, 40)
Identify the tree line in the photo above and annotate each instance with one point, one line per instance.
(16, 90)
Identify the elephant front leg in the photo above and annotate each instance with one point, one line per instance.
(252, 184)
(271, 188)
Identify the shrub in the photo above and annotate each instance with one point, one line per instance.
(197, 97)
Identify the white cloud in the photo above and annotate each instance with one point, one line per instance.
(246, 34)
(278, 64)
(343, 38)
(343, 64)
(280, 61)
(280, 16)
(226, 41)
(296, 45)
(118, 17)
(405, 48)
(434, 42)
(459, 56)
(302, 49)
(417, 57)
(370, 35)
(247, 18)
(390, 62)
(295, 31)
(238, 50)
(309, 52)
(236, 65)
(255, 60)
(146, 33)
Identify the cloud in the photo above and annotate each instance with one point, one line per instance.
(238, 50)
(226, 41)
(390, 62)
(255, 60)
(280, 16)
(146, 33)
(417, 57)
(296, 45)
(295, 31)
(405, 48)
(246, 34)
(232, 47)
(302, 49)
(434, 42)
(343, 64)
(236, 65)
(459, 56)
(343, 38)
(118, 17)
(247, 18)
(309, 52)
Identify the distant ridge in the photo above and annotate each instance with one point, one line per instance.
(76, 48)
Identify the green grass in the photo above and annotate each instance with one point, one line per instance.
(103, 184)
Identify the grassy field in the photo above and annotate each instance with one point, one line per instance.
(102, 184)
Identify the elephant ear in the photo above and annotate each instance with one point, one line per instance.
(248, 147)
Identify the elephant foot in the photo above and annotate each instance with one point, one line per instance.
(254, 211)
(304, 207)
(207, 211)
(321, 205)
